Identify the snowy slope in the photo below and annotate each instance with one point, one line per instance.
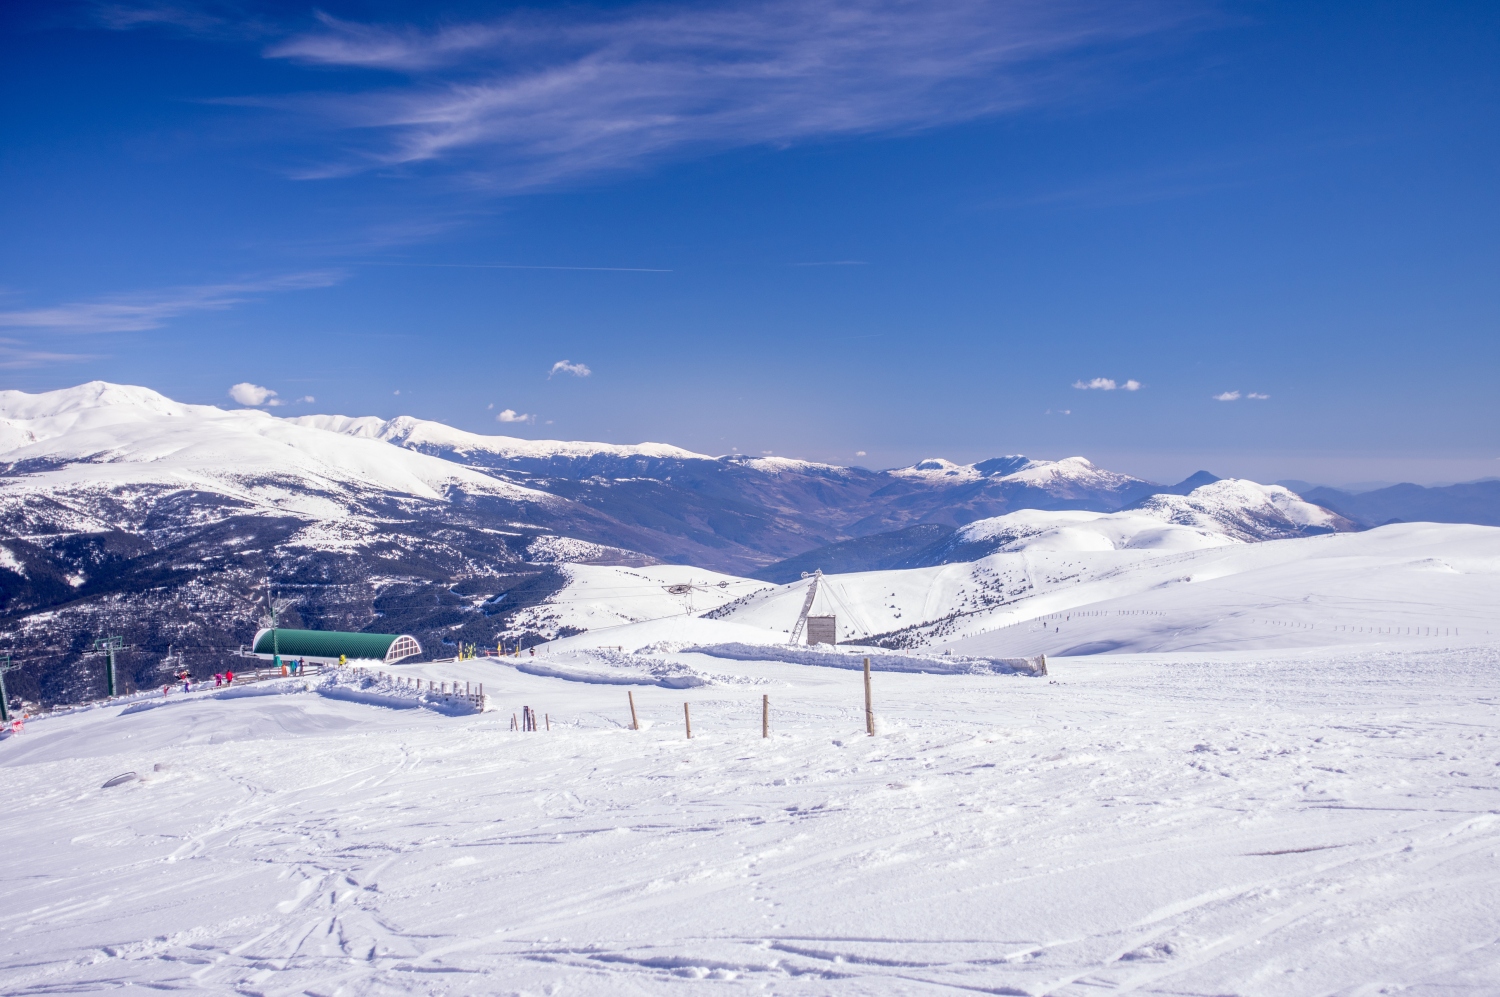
(1071, 474)
(1245, 510)
(425, 435)
(1313, 591)
(598, 598)
(1226, 511)
(1276, 826)
(103, 436)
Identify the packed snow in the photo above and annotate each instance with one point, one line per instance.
(1268, 824)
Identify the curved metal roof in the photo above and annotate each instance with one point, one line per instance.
(332, 643)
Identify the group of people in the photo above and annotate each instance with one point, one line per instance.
(186, 678)
(292, 666)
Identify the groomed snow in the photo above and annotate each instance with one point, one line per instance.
(1273, 824)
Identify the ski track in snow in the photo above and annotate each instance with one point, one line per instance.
(1305, 823)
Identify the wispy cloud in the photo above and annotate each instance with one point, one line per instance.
(15, 355)
(1227, 396)
(569, 367)
(534, 97)
(151, 309)
(1107, 384)
(511, 415)
(1257, 396)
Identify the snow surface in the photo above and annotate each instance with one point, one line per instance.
(1335, 589)
(112, 435)
(1053, 475)
(1225, 511)
(1270, 824)
(602, 597)
(406, 431)
(1242, 509)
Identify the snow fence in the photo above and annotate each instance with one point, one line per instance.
(823, 654)
(359, 685)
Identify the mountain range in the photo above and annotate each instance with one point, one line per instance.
(123, 511)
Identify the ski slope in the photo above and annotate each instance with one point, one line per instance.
(1298, 823)
(1424, 580)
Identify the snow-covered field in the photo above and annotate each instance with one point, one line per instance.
(1314, 822)
(1425, 580)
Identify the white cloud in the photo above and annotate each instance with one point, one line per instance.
(1106, 384)
(1227, 396)
(253, 394)
(533, 97)
(1060, 411)
(510, 415)
(860, 453)
(151, 309)
(569, 367)
(1257, 396)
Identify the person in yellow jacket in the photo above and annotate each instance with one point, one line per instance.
(342, 661)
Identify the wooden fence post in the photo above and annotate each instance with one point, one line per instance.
(869, 706)
(634, 723)
(687, 719)
(765, 715)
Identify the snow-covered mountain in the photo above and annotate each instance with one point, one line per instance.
(1074, 589)
(1212, 515)
(122, 509)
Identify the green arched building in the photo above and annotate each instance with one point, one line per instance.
(325, 646)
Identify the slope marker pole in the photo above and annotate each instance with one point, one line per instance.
(869, 706)
(765, 715)
(687, 719)
(634, 723)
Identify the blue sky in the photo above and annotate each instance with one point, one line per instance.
(861, 232)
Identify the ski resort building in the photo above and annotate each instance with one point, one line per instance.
(327, 646)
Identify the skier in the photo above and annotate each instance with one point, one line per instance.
(229, 678)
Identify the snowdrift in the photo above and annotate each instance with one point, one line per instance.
(880, 661)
